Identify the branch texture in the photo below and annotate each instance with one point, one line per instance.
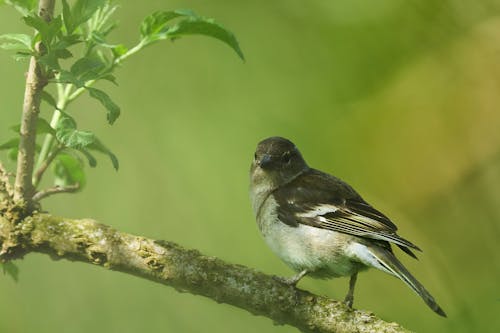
(185, 270)
(5, 188)
(35, 81)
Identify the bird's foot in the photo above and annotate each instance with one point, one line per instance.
(291, 281)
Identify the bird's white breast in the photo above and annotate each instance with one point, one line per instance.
(304, 247)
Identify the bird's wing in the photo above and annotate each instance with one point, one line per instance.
(323, 201)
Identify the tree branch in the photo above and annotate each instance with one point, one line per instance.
(35, 81)
(55, 190)
(185, 270)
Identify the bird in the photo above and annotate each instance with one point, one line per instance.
(319, 225)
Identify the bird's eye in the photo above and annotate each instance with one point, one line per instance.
(286, 157)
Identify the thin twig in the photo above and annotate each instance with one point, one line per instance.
(39, 173)
(35, 82)
(55, 190)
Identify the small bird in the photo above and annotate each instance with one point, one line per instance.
(319, 225)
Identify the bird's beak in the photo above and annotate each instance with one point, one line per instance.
(265, 161)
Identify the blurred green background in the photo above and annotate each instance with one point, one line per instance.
(399, 98)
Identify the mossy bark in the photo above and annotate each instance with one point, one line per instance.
(186, 270)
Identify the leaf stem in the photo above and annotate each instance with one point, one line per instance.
(116, 63)
(46, 163)
(63, 92)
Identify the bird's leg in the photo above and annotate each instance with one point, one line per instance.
(349, 298)
(292, 281)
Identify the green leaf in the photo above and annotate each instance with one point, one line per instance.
(110, 78)
(113, 109)
(68, 77)
(100, 147)
(42, 127)
(90, 158)
(12, 46)
(50, 60)
(67, 19)
(47, 30)
(87, 65)
(206, 27)
(80, 13)
(25, 7)
(99, 39)
(155, 24)
(63, 53)
(119, 50)
(12, 143)
(37, 23)
(49, 99)
(13, 146)
(68, 170)
(22, 56)
(11, 269)
(68, 135)
(23, 41)
(67, 41)
(154, 27)
(12, 154)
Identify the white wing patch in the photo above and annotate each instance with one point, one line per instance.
(319, 211)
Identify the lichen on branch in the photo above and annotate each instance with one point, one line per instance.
(186, 270)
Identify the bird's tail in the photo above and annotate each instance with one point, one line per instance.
(392, 265)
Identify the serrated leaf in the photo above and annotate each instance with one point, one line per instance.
(47, 30)
(69, 136)
(21, 39)
(49, 99)
(12, 143)
(68, 77)
(154, 27)
(100, 147)
(68, 170)
(67, 41)
(80, 13)
(206, 27)
(50, 60)
(12, 46)
(37, 23)
(110, 78)
(63, 53)
(10, 269)
(25, 7)
(42, 127)
(98, 38)
(155, 23)
(113, 109)
(87, 65)
(90, 158)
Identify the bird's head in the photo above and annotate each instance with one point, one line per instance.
(276, 161)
